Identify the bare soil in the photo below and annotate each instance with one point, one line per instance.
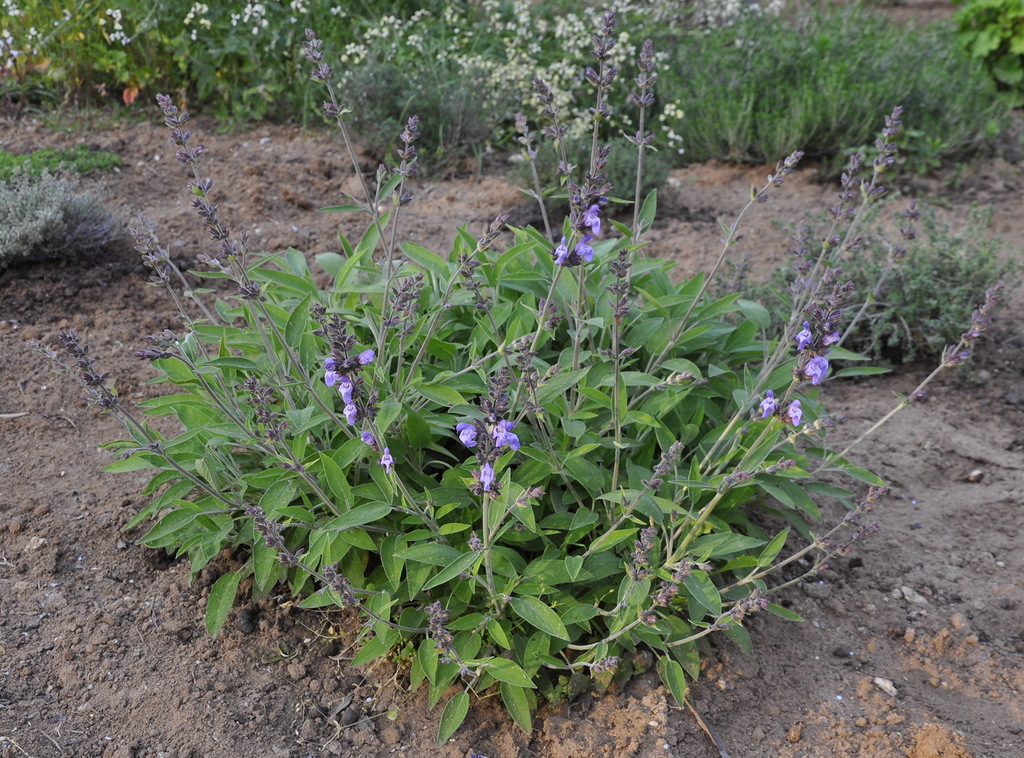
(102, 646)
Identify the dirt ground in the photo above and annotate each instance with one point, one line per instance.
(102, 647)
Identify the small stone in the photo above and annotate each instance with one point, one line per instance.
(796, 732)
(958, 621)
(912, 596)
(1007, 604)
(817, 590)
(910, 635)
(976, 476)
(885, 685)
(296, 671)
(860, 721)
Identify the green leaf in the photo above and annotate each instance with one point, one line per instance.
(451, 719)
(860, 371)
(364, 514)
(647, 213)
(573, 564)
(704, 592)
(864, 475)
(465, 562)
(518, 704)
(508, 671)
(278, 495)
(533, 611)
(440, 394)
(431, 553)
(723, 544)
(298, 322)
(772, 549)
(783, 613)
(671, 674)
(347, 208)
(222, 597)
(374, 648)
(428, 260)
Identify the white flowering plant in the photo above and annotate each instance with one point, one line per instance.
(518, 460)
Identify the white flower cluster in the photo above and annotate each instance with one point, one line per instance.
(199, 10)
(118, 35)
(714, 14)
(254, 13)
(7, 48)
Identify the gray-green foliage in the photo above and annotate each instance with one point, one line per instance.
(922, 305)
(914, 296)
(756, 90)
(50, 217)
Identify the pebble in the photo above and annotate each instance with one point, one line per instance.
(796, 732)
(817, 590)
(885, 685)
(913, 596)
(958, 621)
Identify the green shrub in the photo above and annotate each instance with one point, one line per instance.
(756, 90)
(914, 294)
(518, 463)
(81, 160)
(992, 31)
(918, 303)
(446, 101)
(49, 217)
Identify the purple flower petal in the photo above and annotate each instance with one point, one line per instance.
(804, 337)
(503, 435)
(561, 253)
(793, 414)
(387, 461)
(486, 476)
(467, 433)
(585, 251)
(816, 369)
(768, 405)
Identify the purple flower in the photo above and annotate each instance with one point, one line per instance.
(365, 357)
(387, 461)
(816, 369)
(467, 433)
(804, 337)
(585, 251)
(351, 413)
(503, 435)
(793, 414)
(561, 253)
(330, 364)
(830, 339)
(345, 388)
(369, 439)
(768, 404)
(332, 377)
(485, 476)
(592, 219)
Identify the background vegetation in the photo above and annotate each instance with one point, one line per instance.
(734, 86)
